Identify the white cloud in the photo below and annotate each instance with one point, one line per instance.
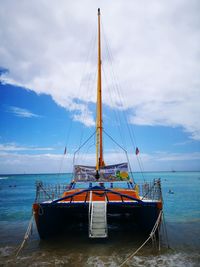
(156, 55)
(178, 156)
(14, 147)
(176, 113)
(21, 112)
(26, 163)
(54, 163)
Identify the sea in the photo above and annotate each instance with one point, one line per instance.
(180, 236)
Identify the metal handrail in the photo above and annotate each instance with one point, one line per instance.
(54, 193)
(106, 216)
(90, 211)
(98, 189)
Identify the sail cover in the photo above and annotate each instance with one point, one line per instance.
(117, 172)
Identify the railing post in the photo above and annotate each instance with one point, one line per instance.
(89, 211)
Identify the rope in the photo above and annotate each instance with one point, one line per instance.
(117, 89)
(124, 152)
(149, 191)
(150, 237)
(41, 186)
(165, 231)
(27, 234)
(85, 142)
(114, 110)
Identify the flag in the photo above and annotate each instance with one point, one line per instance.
(65, 151)
(137, 151)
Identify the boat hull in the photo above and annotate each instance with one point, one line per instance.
(59, 218)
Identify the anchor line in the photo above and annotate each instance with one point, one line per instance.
(27, 234)
(156, 225)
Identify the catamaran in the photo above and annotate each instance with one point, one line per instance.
(97, 195)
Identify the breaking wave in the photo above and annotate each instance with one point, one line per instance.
(79, 260)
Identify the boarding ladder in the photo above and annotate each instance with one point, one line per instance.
(98, 219)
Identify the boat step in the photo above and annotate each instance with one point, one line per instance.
(97, 209)
(98, 220)
(98, 225)
(98, 233)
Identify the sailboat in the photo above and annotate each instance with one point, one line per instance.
(97, 195)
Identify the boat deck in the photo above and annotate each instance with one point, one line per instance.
(111, 192)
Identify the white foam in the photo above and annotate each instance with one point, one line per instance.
(6, 251)
(172, 259)
(3, 177)
(101, 261)
(166, 260)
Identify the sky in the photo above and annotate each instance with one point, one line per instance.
(150, 84)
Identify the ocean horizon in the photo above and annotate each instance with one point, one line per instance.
(181, 214)
(67, 173)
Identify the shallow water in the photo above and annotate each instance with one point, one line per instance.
(182, 217)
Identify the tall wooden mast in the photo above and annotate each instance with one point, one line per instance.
(99, 128)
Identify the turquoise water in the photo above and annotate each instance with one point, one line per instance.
(182, 216)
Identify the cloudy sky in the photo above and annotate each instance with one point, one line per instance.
(151, 83)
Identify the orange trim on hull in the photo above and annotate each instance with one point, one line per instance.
(100, 195)
(160, 205)
(36, 212)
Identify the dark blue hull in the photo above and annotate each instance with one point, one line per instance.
(60, 218)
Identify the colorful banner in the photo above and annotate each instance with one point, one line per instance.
(117, 172)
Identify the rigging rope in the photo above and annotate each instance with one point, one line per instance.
(89, 55)
(165, 231)
(118, 92)
(150, 237)
(82, 146)
(89, 81)
(27, 234)
(115, 111)
(124, 151)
